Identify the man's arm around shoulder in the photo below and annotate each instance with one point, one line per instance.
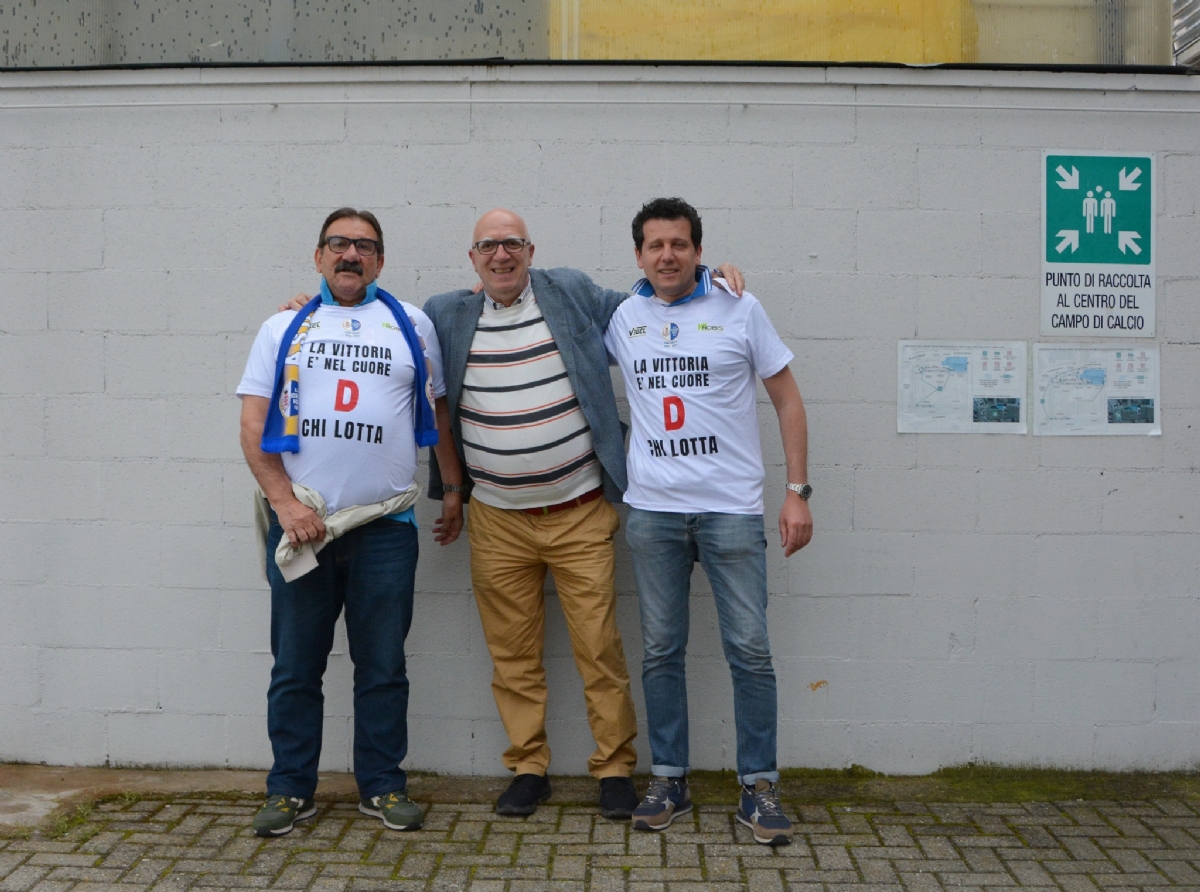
(300, 523)
(795, 518)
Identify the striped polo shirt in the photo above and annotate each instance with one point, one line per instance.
(524, 436)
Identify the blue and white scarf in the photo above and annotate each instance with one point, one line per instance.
(281, 433)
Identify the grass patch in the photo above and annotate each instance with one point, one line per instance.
(67, 821)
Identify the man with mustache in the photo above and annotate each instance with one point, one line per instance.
(535, 418)
(336, 400)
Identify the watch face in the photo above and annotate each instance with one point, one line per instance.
(805, 492)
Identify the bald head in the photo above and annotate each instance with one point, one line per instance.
(503, 218)
(504, 273)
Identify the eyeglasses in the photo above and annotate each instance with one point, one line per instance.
(339, 244)
(511, 245)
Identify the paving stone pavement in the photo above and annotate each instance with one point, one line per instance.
(175, 844)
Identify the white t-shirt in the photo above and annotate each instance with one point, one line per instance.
(689, 373)
(356, 399)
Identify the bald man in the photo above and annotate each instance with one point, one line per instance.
(535, 418)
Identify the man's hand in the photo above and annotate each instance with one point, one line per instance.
(296, 303)
(300, 523)
(447, 527)
(728, 272)
(795, 524)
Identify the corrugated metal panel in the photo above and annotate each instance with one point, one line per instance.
(1186, 31)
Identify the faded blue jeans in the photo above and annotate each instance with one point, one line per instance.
(732, 550)
(370, 573)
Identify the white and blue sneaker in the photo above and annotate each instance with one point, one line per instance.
(667, 799)
(759, 809)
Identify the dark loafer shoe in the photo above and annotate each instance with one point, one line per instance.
(523, 795)
(618, 798)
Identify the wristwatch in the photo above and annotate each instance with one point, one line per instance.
(803, 490)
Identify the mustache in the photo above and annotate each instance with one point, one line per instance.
(351, 266)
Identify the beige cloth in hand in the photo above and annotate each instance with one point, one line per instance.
(295, 562)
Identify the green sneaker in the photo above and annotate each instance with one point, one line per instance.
(396, 809)
(280, 813)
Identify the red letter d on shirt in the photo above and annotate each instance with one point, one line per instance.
(347, 396)
(672, 413)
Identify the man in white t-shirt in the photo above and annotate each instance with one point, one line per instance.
(689, 354)
(335, 402)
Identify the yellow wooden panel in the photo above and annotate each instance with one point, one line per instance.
(909, 31)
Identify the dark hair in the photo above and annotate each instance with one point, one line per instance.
(666, 209)
(342, 214)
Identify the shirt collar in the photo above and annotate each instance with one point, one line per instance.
(703, 286)
(327, 295)
(495, 305)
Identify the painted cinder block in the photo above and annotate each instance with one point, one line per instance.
(23, 434)
(919, 500)
(44, 489)
(1151, 502)
(233, 683)
(890, 115)
(967, 566)
(1135, 626)
(165, 739)
(76, 234)
(980, 178)
(972, 308)
(86, 679)
(741, 176)
(1148, 747)
(800, 239)
(52, 362)
(1036, 628)
(962, 691)
(100, 426)
(1181, 184)
(575, 172)
(103, 300)
(19, 667)
(918, 242)
(857, 176)
(174, 621)
(53, 736)
(822, 114)
(198, 176)
(1045, 501)
(209, 556)
(1101, 691)
(910, 748)
(27, 300)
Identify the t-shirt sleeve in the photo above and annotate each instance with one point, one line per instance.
(433, 349)
(259, 377)
(610, 341)
(768, 352)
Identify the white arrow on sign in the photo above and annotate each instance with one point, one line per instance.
(1127, 183)
(1126, 239)
(1069, 237)
(1069, 180)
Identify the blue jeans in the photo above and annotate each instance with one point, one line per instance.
(370, 573)
(732, 550)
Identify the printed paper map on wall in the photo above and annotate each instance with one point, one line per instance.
(1086, 390)
(975, 388)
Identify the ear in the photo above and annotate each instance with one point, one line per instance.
(637, 253)
(317, 259)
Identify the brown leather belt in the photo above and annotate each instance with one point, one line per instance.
(589, 496)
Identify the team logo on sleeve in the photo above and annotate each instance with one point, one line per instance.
(670, 334)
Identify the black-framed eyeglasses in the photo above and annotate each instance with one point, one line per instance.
(339, 244)
(511, 245)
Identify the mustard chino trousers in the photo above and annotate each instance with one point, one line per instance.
(511, 552)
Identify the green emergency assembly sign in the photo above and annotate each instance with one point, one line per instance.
(1098, 209)
(1098, 216)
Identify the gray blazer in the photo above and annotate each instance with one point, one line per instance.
(577, 311)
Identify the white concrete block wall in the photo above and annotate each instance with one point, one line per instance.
(991, 599)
